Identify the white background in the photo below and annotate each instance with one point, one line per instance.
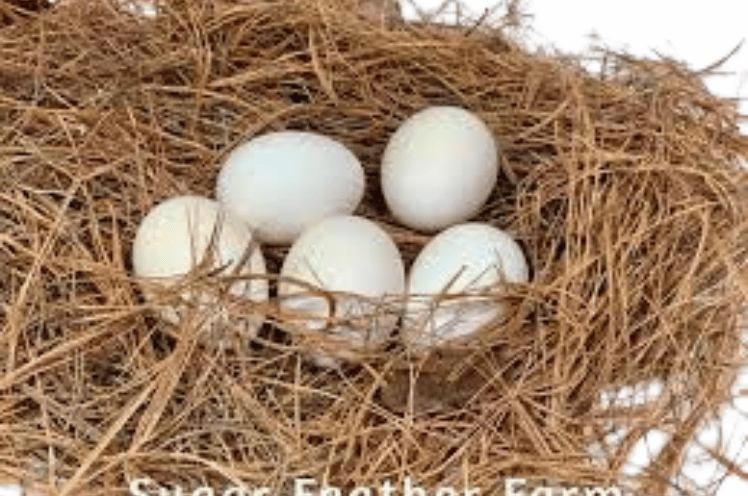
(699, 33)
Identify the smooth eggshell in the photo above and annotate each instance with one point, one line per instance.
(439, 168)
(11, 489)
(280, 183)
(351, 255)
(175, 236)
(466, 258)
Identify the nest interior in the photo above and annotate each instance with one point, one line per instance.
(624, 188)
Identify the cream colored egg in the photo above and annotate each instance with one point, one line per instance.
(176, 235)
(11, 489)
(468, 259)
(357, 260)
(439, 168)
(282, 182)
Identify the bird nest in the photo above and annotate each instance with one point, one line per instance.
(624, 188)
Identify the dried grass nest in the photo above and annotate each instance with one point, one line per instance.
(625, 189)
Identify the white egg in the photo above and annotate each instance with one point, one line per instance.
(176, 235)
(439, 168)
(466, 258)
(355, 257)
(280, 183)
(11, 489)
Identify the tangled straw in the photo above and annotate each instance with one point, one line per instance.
(625, 189)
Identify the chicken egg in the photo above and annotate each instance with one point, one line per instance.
(176, 235)
(11, 489)
(439, 168)
(358, 261)
(467, 259)
(282, 182)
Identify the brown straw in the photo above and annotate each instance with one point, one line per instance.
(625, 189)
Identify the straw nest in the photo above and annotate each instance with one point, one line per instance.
(624, 188)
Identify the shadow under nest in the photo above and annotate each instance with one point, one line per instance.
(624, 188)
